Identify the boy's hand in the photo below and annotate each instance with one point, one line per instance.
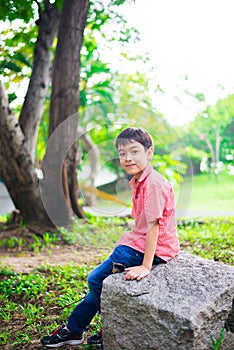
(136, 272)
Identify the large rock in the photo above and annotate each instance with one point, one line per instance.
(179, 306)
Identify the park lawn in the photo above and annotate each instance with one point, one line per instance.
(35, 303)
(204, 196)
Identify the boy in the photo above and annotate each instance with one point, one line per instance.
(154, 239)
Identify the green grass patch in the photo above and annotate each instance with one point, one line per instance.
(210, 238)
(208, 195)
(34, 304)
(100, 232)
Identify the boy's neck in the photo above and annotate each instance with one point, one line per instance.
(137, 176)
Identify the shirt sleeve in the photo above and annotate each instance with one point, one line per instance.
(154, 203)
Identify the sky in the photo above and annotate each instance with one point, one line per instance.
(186, 38)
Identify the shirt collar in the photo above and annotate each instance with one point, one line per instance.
(148, 169)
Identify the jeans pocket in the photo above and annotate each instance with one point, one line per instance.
(118, 267)
(127, 256)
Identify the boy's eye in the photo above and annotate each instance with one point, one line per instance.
(121, 155)
(134, 152)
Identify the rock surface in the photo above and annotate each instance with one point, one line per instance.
(179, 306)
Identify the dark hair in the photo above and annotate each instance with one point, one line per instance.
(134, 134)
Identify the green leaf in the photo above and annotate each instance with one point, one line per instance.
(16, 9)
(12, 97)
(21, 58)
(10, 65)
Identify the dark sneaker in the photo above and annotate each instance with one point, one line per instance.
(95, 339)
(61, 337)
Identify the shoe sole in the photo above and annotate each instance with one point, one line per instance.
(97, 346)
(67, 342)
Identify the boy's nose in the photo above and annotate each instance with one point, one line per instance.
(128, 156)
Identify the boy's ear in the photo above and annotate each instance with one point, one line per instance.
(150, 153)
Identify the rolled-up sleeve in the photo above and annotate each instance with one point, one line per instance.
(154, 203)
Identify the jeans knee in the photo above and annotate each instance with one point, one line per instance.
(92, 281)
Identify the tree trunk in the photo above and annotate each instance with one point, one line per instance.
(18, 139)
(63, 112)
(217, 145)
(34, 100)
(211, 149)
(94, 155)
(16, 167)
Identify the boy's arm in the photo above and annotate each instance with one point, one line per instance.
(139, 272)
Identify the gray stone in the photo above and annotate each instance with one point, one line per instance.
(179, 306)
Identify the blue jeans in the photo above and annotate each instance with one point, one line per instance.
(84, 312)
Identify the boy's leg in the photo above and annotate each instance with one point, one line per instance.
(122, 255)
(84, 312)
(82, 315)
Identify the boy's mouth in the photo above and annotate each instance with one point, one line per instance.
(130, 165)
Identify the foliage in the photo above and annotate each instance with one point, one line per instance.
(217, 344)
(34, 304)
(171, 168)
(20, 34)
(211, 130)
(16, 55)
(94, 231)
(12, 10)
(43, 131)
(19, 241)
(209, 238)
(29, 301)
(227, 142)
(106, 97)
(192, 157)
(96, 88)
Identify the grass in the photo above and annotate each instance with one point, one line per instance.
(38, 302)
(203, 195)
(210, 238)
(33, 304)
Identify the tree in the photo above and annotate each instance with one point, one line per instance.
(65, 103)
(25, 131)
(32, 108)
(17, 162)
(209, 131)
(20, 171)
(17, 169)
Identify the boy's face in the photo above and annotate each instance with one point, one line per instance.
(134, 158)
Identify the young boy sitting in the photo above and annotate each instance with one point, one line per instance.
(153, 240)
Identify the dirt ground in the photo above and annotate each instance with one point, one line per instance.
(61, 255)
(24, 258)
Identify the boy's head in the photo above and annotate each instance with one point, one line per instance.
(135, 147)
(134, 134)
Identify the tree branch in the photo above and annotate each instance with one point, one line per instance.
(32, 109)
